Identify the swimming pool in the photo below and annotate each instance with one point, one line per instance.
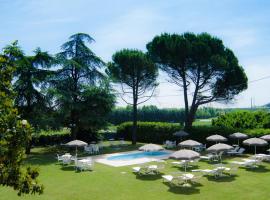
(137, 155)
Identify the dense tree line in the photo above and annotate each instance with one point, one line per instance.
(155, 114)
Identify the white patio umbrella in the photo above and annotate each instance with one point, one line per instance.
(255, 142)
(216, 138)
(151, 147)
(219, 148)
(238, 136)
(266, 138)
(189, 144)
(185, 154)
(76, 143)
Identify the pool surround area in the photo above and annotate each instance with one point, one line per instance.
(131, 158)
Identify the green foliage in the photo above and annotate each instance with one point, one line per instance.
(257, 132)
(51, 137)
(200, 64)
(15, 135)
(29, 76)
(149, 132)
(158, 132)
(137, 74)
(155, 114)
(79, 90)
(133, 68)
(244, 120)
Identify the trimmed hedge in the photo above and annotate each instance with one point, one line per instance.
(45, 138)
(154, 132)
(158, 132)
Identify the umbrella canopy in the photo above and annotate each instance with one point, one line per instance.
(181, 134)
(219, 147)
(185, 154)
(151, 147)
(255, 142)
(76, 143)
(266, 137)
(238, 136)
(189, 143)
(216, 138)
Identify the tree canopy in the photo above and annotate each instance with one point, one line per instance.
(137, 74)
(201, 65)
(30, 74)
(77, 80)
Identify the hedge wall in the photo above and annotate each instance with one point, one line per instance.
(155, 132)
(45, 138)
(158, 132)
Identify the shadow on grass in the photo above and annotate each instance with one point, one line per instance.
(180, 189)
(149, 177)
(68, 168)
(225, 178)
(190, 167)
(259, 169)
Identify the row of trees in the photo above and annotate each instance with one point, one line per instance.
(155, 114)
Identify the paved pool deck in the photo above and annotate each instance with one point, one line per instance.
(120, 163)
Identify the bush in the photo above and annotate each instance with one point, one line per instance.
(258, 132)
(243, 120)
(44, 138)
(154, 132)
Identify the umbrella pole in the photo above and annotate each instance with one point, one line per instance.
(255, 150)
(76, 152)
(238, 141)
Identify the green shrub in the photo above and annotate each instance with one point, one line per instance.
(44, 138)
(155, 132)
(243, 120)
(258, 132)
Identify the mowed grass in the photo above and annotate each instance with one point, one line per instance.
(105, 182)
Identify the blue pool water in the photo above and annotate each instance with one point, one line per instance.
(130, 156)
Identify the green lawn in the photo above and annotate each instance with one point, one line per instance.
(105, 182)
(203, 122)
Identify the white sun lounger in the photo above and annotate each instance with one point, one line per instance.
(237, 152)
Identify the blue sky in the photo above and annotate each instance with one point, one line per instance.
(243, 25)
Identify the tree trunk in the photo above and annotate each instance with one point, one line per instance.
(134, 128)
(190, 117)
(185, 100)
(28, 147)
